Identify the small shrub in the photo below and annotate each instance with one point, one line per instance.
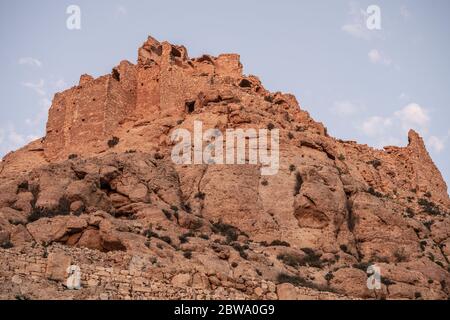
(428, 224)
(362, 266)
(187, 254)
(150, 234)
(6, 245)
(295, 280)
(114, 141)
(290, 136)
(227, 230)
(63, 209)
(196, 224)
(298, 183)
(72, 156)
(311, 259)
(375, 193)
(158, 156)
(301, 282)
(270, 126)
(268, 98)
(386, 281)
(292, 168)
(417, 295)
(184, 238)
(375, 163)
(308, 251)
(341, 157)
(166, 239)
(231, 235)
(423, 245)
(168, 214)
(329, 276)
(290, 259)
(241, 250)
(427, 194)
(429, 207)
(200, 195)
(344, 248)
(265, 182)
(174, 208)
(400, 255)
(234, 264)
(186, 207)
(204, 236)
(409, 212)
(279, 243)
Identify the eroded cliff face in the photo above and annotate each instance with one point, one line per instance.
(102, 179)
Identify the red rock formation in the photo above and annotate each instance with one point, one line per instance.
(102, 178)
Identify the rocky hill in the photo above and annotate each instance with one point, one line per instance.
(101, 191)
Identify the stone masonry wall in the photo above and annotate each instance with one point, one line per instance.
(107, 276)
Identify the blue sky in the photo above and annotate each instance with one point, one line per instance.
(369, 86)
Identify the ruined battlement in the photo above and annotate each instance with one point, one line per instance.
(83, 118)
(86, 114)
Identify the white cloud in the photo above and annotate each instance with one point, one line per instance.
(356, 30)
(29, 61)
(356, 26)
(11, 140)
(345, 108)
(60, 84)
(376, 57)
(388, 141)
(391, 129)
(16, 138)
(376, 126)
(413, 116)
(44, 101)
(41, 116)
(436, 143)
(36, 87)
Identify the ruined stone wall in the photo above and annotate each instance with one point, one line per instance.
(85, 117)
(116, 275)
